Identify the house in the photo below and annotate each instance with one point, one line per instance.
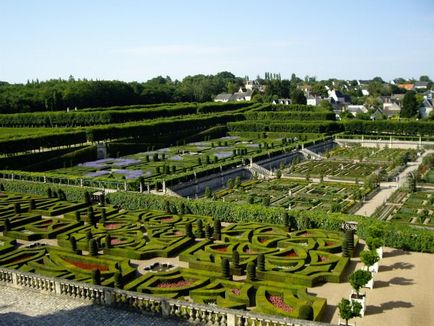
(313, 100)
(223, 97)
(426, 108)
(356, 109)
(391, 109)
(338, 97)
(406, 86)
(378, 115)
(421, 85)
(363, 82)
(365, 92)
(251, 85)
(285, 101)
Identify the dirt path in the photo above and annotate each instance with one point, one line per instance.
(403, 291)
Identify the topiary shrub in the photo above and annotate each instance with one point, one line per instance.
(77, 216)
(208, 231)
(73, 243)
(32, 204)
(261, 262)
(189, 230)
(251, 271)
(217, 229)
(236, 259)
(93, 247)
(96, 276)
(7, 224)
(87, 197)
(103, 215)
(369, 258)
(108, 240)
(49, 193)
(306, 312)
(17, 208)
(359, 279)
(118, 280)
(226, 271)
(200, 232)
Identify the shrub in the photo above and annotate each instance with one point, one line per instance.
(108, 240)
(17, 208)
(96, 277)
(73, 243)
(32, 204)
(93, 247)
(306, 312)
(208, 231)
(226, 269)
(348, 244)
(359, 279)
(369, 258)
(374, 243)
(349, 309)
(236, 259)
(251, 271)
(118, 280)
(189, 230)
(261, 262)
(217, 229)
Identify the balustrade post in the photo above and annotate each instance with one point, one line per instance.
(14, 280)
(230, 319)
(108, 296)
(57, 287)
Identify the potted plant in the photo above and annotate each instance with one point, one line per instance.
(359, 279)
(376, 244)
(349, 309)
(370, 259)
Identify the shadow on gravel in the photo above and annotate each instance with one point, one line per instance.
(328, 313)
(395, 252)
(372, 310)
(400, 265)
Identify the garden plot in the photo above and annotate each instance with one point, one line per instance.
(415, 208)
(155, 165)
(397, 156)
(343, 169)
(327, 196)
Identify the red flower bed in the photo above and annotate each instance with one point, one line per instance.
(292, 253)
(174, 284)
(18, 259)
(116, 241)
(322, 259)
(278, 303)
(236, 291)
(249, 251)
(222, 249)
(87, 266)
(111, 226)
(330, 244)
(167, 219)
(179, 233)
(262, 240)
(306, 234)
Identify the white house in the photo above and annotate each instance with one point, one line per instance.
(356, 109)
(313, 100)
(223, 97)
(337, 96)
(365, 92)
(285, 101)
(421, 85)
(426, 108)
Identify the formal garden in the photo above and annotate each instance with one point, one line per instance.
(292, 194)
(260, 267)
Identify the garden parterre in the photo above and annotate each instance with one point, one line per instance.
(292, 260)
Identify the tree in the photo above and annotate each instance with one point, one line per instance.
(409, 105)
(73, 243)
(236, 259)
(217, 229)
(349, 309)
(208, 192)
(230, 183)
(359, 279)
(189, 230)
(297, 97)
(108, 240)
(118, 280)
(411, 183)
(374, 243)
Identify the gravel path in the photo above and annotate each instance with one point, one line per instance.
(24, 307)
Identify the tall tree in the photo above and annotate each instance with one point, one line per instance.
(409, 105)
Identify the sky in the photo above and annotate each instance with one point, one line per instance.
(134, 40)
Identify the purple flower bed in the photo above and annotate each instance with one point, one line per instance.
(97, 174)
(130, 174)
(105, 163)
(221, 155)
(176, 158)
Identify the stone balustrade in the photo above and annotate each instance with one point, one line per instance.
(195, 313)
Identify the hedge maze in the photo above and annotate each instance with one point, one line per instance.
(260, 267)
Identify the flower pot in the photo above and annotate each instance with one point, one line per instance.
(361, 299)
(379, 252)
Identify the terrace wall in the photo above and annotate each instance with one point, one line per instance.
(144, 303)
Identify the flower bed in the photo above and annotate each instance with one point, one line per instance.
(174, 284)
(87, 266)
(279, 303)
